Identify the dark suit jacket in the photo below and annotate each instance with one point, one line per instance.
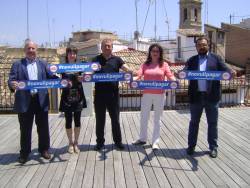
(214, 63)
(19, 72)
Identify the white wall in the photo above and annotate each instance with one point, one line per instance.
(187, 47)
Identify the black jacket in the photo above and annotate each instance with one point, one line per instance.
(214, 63)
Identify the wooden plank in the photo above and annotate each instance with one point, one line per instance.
(106, 156)
(140, 178)
(30, 173)
(221, 174)
(84, 148)
(147, 168)
(18, 173)
(135, 166)
(170, 136)
(88, 179)
(153, 158)
(127, 163)
(118, 164)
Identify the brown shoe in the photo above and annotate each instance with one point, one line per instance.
(45, 154)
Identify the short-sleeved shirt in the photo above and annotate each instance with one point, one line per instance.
(156, 73)
(111, 65)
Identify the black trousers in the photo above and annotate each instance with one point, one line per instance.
(26, 123)
(111, 103)
(69, 117)
(211, 110)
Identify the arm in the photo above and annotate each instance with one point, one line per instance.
(224, 67)
(12, 82)
(49, 75)
(125, 68)
(168, 72)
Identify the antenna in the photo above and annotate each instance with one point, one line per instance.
(167, 20)
(155, 28)
(28, 32)
(136, 15)
(47, 6)
(207, 12)
(80, 15)
(54, 35)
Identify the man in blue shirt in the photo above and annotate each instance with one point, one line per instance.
(204, 94)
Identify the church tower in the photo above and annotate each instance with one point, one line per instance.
(190, 14)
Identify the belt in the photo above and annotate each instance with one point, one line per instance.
(202, 93)
(33, 95)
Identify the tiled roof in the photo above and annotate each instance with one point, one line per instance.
(86, 44)
(133, 58)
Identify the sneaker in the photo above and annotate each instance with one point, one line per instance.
(76, 149)
(22, 159)
(120, 146)
(98, 147)
(46, 155)
(190, 150)
(139, 142)
(213, 153)
(155, 146)
(71, 149)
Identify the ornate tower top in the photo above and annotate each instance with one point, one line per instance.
(190, 14)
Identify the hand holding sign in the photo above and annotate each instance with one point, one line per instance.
(76, 67)
(154, 84)
(204, 75)
(44, 84)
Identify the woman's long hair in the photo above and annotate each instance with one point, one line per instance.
(70, 49)
(149, 59)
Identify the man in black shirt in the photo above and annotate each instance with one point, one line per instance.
(107, 95)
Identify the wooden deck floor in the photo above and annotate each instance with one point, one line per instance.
(136, 166)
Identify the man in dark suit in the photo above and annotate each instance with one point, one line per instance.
(204, 94)
(31, 103)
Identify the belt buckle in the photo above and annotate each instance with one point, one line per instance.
(33, 94)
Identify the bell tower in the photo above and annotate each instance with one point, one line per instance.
(190, 14)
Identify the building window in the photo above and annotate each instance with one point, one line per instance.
(185, 14)
(179, 46)
(195, 15)
(220, 37)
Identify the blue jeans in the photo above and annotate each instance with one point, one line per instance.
(211, 109)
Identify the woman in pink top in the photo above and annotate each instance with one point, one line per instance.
(156, 69)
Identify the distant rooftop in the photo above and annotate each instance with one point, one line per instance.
(190, 32)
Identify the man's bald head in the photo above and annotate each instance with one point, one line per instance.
(30, 49)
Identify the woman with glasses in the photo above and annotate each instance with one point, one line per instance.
(155, 69)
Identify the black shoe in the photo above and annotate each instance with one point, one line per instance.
(98, 147)
(22, 159)
(45, 154)
(213, 153)
(120, 146)
(139, 143)
(190, 150)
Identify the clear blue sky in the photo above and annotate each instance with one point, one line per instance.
(110, 15)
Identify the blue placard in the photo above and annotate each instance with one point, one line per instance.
(42, 84)
(204, 75)
(76, 67)
(107, 77)
(154, 84)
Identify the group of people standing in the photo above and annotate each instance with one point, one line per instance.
(30, 104)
